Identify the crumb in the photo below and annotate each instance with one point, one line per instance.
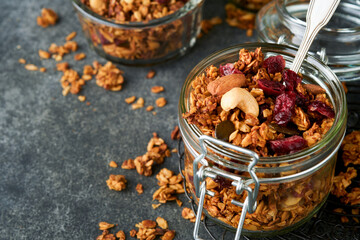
(151, 74)
(157, 89)
(149, 108)
(130, 100)
(79, 56)
(22, 61)
(44, 54)
(113, 164)
(160, 102)
(70, 36)
(31, 67)
(139, 188)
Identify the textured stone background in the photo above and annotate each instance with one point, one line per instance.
(55, 150)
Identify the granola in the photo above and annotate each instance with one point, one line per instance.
(109, 77)
(116, 182)
(147, 230)
(48, 17)
(106, 236)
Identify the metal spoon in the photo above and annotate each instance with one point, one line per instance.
(318, 15)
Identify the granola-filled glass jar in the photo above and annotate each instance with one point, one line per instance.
(288, 189)
(141, 42)
(337, 44)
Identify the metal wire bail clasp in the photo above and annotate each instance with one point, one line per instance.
(249, 205)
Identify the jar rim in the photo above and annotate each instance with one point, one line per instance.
(85, 10)
(281, 4)
(337, 127)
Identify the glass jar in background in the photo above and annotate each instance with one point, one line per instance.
(337, 44)
(292, 188)
(142, 43)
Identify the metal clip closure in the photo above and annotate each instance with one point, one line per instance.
(249, 205)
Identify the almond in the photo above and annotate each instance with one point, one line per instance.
(314, 89)
(224, 84)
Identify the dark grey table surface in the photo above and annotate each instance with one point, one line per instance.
(55, 150)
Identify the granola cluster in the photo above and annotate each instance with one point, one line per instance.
(272, 113)
(130, 44)
(109, 77)
(116, 182)
(170, 185)
(48, 17)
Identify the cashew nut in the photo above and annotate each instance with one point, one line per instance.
(241, 98)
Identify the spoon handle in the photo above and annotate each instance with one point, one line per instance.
(318, 15)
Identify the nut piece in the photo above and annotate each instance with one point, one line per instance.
(151, 74)
(70, 36)
(241, 98)
(22, 61)
(31, 67)
(157, 89)
(223, 84)
(314, 89)
(79, 56)
(187, 213)
(130, 99)
(44, 54)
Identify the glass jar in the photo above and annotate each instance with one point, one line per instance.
(142, 43)
(337, 44)
(291, 187)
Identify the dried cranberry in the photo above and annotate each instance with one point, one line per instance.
(223, 182)
(274, 64)
(228, 69)
(291, 79)
(284, 106)
(119, 42)
(287, 145)
(271, 87)
(103, 40)
(301, 100)
(322, 108)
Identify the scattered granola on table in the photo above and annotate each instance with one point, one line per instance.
(160, 102)
(106, 236)
(188, 214)
(116, 182)
(147, 230)
(150, 74)
(157, 150)
(272, 114)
